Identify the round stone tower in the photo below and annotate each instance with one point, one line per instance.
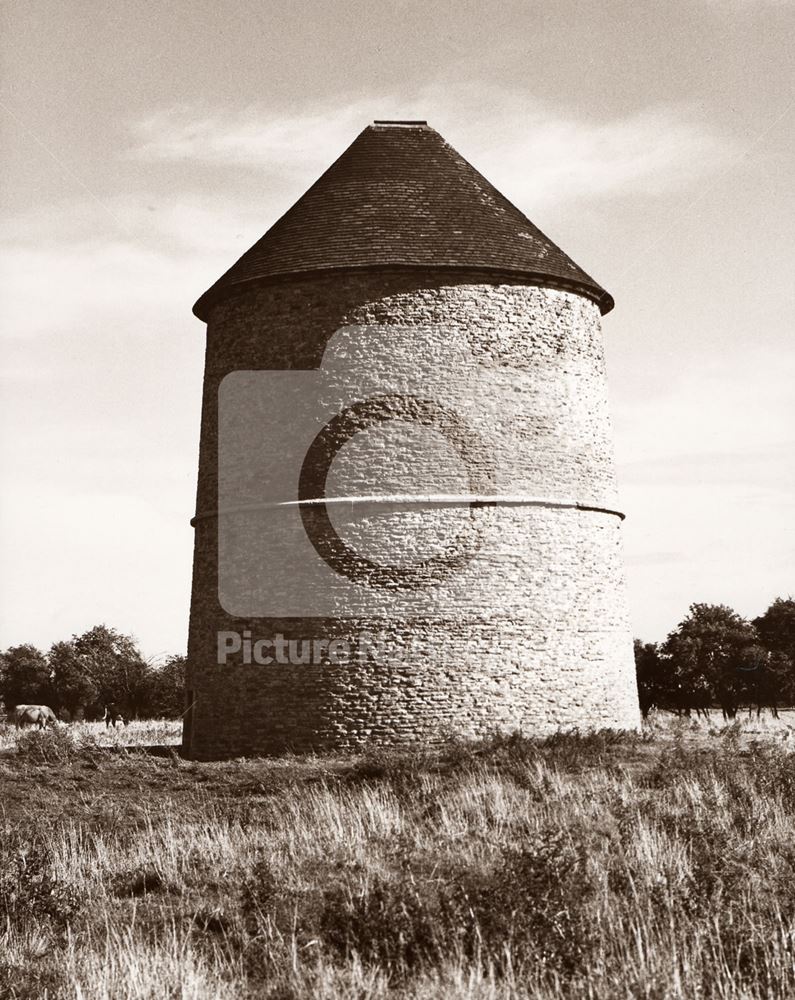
(406, 522)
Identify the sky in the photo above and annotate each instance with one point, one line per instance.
(146, 146)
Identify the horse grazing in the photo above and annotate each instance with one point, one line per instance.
(34, 715)
(112, 716)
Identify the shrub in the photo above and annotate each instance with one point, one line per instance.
(57, 746)
(29, 889)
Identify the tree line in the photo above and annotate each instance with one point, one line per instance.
(80, 676)
(715, 658)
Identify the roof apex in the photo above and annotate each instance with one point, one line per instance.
(400, 196)
(400, 123)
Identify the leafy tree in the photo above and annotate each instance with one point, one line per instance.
(74, 687)
(782, 667)
(776, 631)
(776, 627)
(707, 646)
(650, 673)
(168, 688)
(25, 676)
(115, 667)
(716, 654)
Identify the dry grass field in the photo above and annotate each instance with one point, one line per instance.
(600, 866)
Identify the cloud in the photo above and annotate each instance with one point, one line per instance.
(536, 153)
(250, 137)
(543, 159)
(169, 250)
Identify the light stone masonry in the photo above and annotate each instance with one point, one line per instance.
(531, 634)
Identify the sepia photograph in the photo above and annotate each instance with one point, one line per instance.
(397, 527)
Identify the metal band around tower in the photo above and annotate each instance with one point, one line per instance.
(428, 500)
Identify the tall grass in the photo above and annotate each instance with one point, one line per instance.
(649, 866)
(149, 732)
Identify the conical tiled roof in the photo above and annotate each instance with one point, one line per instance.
(400, 196)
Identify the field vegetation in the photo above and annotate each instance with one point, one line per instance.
(650, 865)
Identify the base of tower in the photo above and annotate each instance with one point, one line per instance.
(518, 681)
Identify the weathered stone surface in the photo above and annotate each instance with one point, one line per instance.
(532, 634)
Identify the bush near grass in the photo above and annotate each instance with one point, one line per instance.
(29, 888)
(59, 745)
